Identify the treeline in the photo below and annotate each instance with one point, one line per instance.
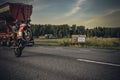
(61, 31)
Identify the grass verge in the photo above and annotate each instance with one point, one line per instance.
(93, 42)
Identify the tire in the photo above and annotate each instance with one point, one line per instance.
(27, 35)
(18, 52)
(19, 49)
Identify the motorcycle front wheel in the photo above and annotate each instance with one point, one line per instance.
(27, 35)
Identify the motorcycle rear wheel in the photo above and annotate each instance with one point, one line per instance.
(18, 52)
(18, 49)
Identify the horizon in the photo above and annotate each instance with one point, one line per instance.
(79, 25)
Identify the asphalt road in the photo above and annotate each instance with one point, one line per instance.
(60, 63)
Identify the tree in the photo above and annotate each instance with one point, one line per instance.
(61, 31)
(80, 30)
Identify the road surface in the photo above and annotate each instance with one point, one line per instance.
(60, 63)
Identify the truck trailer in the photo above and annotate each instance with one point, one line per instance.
(10, 14)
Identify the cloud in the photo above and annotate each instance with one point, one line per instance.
(108, 18)
(110, 12)
(38, 8)
(75, 8)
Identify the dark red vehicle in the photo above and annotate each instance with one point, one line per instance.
(15, 25)
(5, 34)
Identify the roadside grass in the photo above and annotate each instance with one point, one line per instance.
(91, 42)
(47, 42)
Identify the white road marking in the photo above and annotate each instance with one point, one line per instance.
(97, 62)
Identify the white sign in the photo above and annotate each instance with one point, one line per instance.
(81, 39)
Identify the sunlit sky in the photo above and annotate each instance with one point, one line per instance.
(90, 13)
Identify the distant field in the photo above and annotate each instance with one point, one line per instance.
(94, 42)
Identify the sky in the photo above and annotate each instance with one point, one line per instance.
(90, 13)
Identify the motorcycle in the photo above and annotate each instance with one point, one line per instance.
(21, 38)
